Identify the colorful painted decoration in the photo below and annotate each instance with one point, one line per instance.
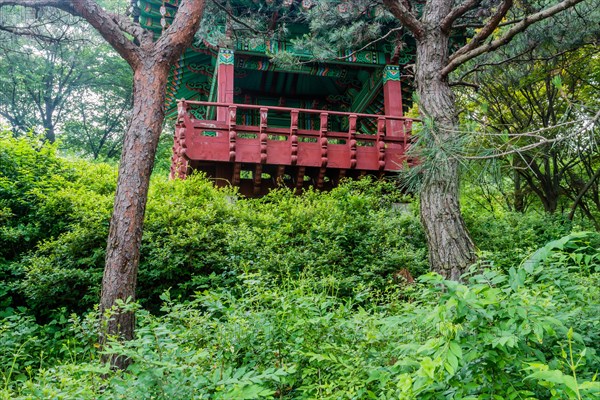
(391, 73)
(226, 57)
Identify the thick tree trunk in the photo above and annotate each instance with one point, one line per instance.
(150, 60)
(139, 149)
(49, 126)
(451, 249)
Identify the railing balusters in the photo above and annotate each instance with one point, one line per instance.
(232, 132)
(263, 134)
(323, 138)
(194, 141)
(294, 135)
(352, 139)
(380, 143)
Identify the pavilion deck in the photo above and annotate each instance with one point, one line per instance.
(260, 147)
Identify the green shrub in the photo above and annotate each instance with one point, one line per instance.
(30, 172)
(197, 236)
(529, 333)
(505, 238)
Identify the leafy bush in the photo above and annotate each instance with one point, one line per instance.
(529, 333)
(504, 238)
(32, 210)
(195, 235)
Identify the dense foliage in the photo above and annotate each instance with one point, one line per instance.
(286, 296)
(530, 333)
(56, 216)
(68, 84)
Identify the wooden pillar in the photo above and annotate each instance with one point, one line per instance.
(224, 81)
(392, 99)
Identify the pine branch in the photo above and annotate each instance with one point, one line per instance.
(458, 12)
(487, 30)
(371, 43)
(400, 10)
(181, 31)
(458, 59)
(236, 19)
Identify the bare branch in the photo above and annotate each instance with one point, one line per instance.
(582, 193)
(474, 25)
(463, 83)
(181, 31)
(27, 32)
(479, 67)
(457, 59)
(458, 12)
(487, 30)
(400, 10)
(61, 4)
(109, 29)
(541, 140)
(95, 16)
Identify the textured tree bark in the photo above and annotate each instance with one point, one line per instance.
(451, 249)
(137, 159)
(151, 64)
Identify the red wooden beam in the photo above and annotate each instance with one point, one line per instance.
(225, 79)
(392, 99)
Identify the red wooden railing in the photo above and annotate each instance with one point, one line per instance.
(261, 143)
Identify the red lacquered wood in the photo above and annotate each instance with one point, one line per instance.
(321, 155)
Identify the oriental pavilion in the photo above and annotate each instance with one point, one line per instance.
(249, 122)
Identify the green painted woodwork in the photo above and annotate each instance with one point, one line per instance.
(264, 64)
(352, 81)
(391, 73)
(226, 57)
(370, 90)
(274, 47)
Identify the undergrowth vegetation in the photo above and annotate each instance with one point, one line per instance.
(292, 297)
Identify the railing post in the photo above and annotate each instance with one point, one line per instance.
(392, 99)
(183, 115)
(179, 163)
(232, 133)
(352, 139)
(324, 120)
(323, 138)
(225, 79)
(381, 125)
(262, 134)
(294, 136)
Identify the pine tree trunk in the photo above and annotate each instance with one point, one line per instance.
(451, 249)
(125, 235)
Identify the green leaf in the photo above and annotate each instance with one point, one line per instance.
(571, 383)
(451, 364)
(455, 349)
(553, 376)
